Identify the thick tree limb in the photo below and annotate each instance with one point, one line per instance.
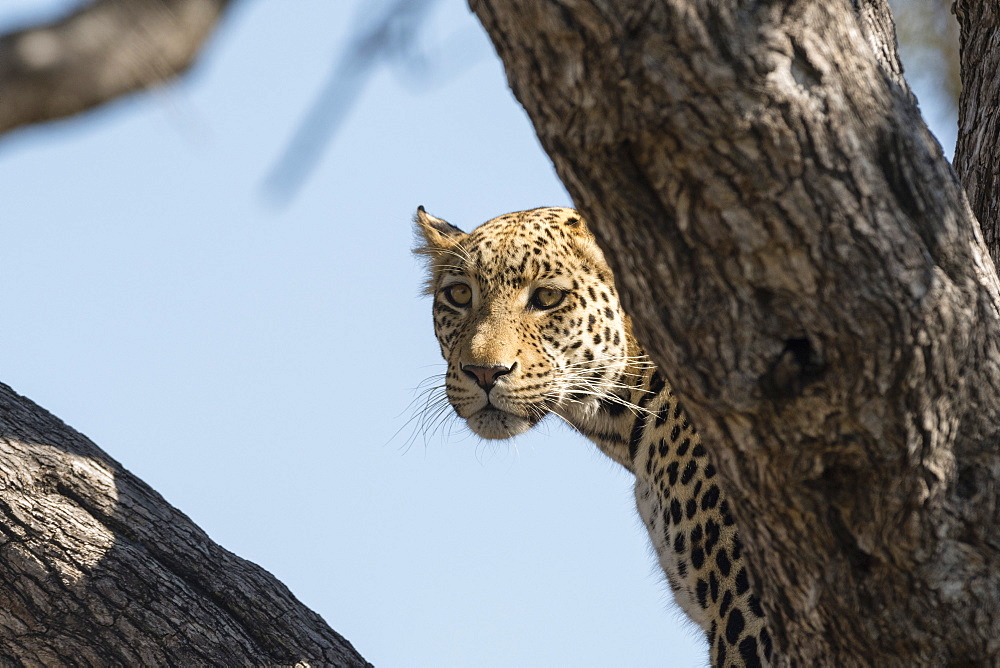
(977, 155)
(798, 255)
(97, 569)
(875, 21)
(100, 52)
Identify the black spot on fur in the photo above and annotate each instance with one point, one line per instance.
(612, 407)
(683, 447)
(689, 471)
(722, 561)
(662, 414)
(675, 511)
(748, 650)
(755, 606)
(711, 497)
(742, 581)
(698, 558)
(711, 535)
(727, 517)
(734, 626)
(727, 600)
(633, 443)
(701, 591)
(765, 640)
(656, 383)
(720, 654)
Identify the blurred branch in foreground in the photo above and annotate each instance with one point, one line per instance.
(97, 53)
(390, 35)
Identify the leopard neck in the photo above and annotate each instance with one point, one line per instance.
(612, 423)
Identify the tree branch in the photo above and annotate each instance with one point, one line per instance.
(100, 52)
(875, 20)
(97, 569)
(798, 256)
(977, 154)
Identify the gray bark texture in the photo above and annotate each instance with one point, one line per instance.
(96, 569)
(101, 51)
(976, 156)
(801, 260)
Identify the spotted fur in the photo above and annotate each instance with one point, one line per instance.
(514, 357)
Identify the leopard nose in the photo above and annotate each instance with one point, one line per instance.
(486, 376)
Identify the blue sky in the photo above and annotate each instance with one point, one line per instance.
(257, 364)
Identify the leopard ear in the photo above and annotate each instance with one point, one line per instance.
(437, 235)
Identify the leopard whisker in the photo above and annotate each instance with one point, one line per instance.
(569, 389)
(432, 408)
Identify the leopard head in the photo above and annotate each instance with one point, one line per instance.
(527, 318)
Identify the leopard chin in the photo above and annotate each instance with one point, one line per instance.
(493, 423)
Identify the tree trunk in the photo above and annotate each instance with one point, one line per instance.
(977, 156)
(96, 569)
(800, 258)
(99, 52)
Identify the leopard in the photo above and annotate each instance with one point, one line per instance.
(529, 321)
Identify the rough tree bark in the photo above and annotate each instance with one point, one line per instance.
(799, 256)
(100, 52)
(96, 569)
(976, 156)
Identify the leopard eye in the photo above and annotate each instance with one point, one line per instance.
(458, 294)
(546, 298)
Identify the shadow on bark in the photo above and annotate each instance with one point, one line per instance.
(96, 568)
